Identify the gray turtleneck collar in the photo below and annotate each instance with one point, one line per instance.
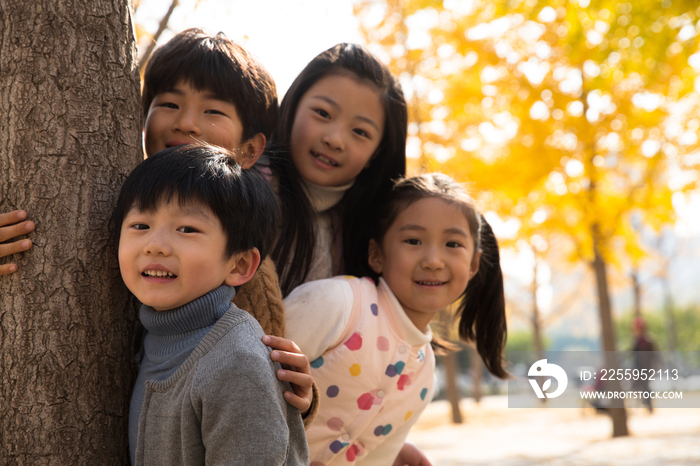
(171, 331)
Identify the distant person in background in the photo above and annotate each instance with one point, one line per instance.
(644, 358)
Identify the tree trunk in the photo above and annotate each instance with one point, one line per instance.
(477, 369)
(670, 314)
(636, 292)
(453, 395)
(617, 411)
(70, 131)
(445, 317)
(536, 321)
(154, 40)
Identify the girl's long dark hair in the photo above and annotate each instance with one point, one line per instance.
(293, 254)
(482, 309)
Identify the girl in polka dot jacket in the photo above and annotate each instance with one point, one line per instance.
(370, 341)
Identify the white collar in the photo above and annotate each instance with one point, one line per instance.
(413, 335)
(323, 198)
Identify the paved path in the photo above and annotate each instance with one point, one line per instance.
(494, 434)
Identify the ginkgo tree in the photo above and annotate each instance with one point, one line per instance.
(567, 115)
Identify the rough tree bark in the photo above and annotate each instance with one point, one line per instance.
(69, 134)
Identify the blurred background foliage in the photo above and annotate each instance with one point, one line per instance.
(571, 119)
(566, 116)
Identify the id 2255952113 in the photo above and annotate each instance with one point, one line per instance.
(630, 374)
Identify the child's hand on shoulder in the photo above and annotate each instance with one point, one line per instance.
(295, 370)
(10, 227)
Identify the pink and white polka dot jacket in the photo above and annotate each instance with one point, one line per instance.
(374, 381)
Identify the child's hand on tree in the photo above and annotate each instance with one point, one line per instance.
(295, 370)
(11, 228)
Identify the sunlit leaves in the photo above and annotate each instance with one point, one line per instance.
(569, 113)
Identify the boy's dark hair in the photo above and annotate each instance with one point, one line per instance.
(242, 200)
(218, 65)
(293, 253)
(482, 310)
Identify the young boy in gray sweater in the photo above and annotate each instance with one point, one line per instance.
(191, 226)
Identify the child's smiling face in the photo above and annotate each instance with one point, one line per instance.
(185, 115)
(338, 124)
(427, 257)
(174, 254)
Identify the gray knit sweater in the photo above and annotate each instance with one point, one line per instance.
(207, 391)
